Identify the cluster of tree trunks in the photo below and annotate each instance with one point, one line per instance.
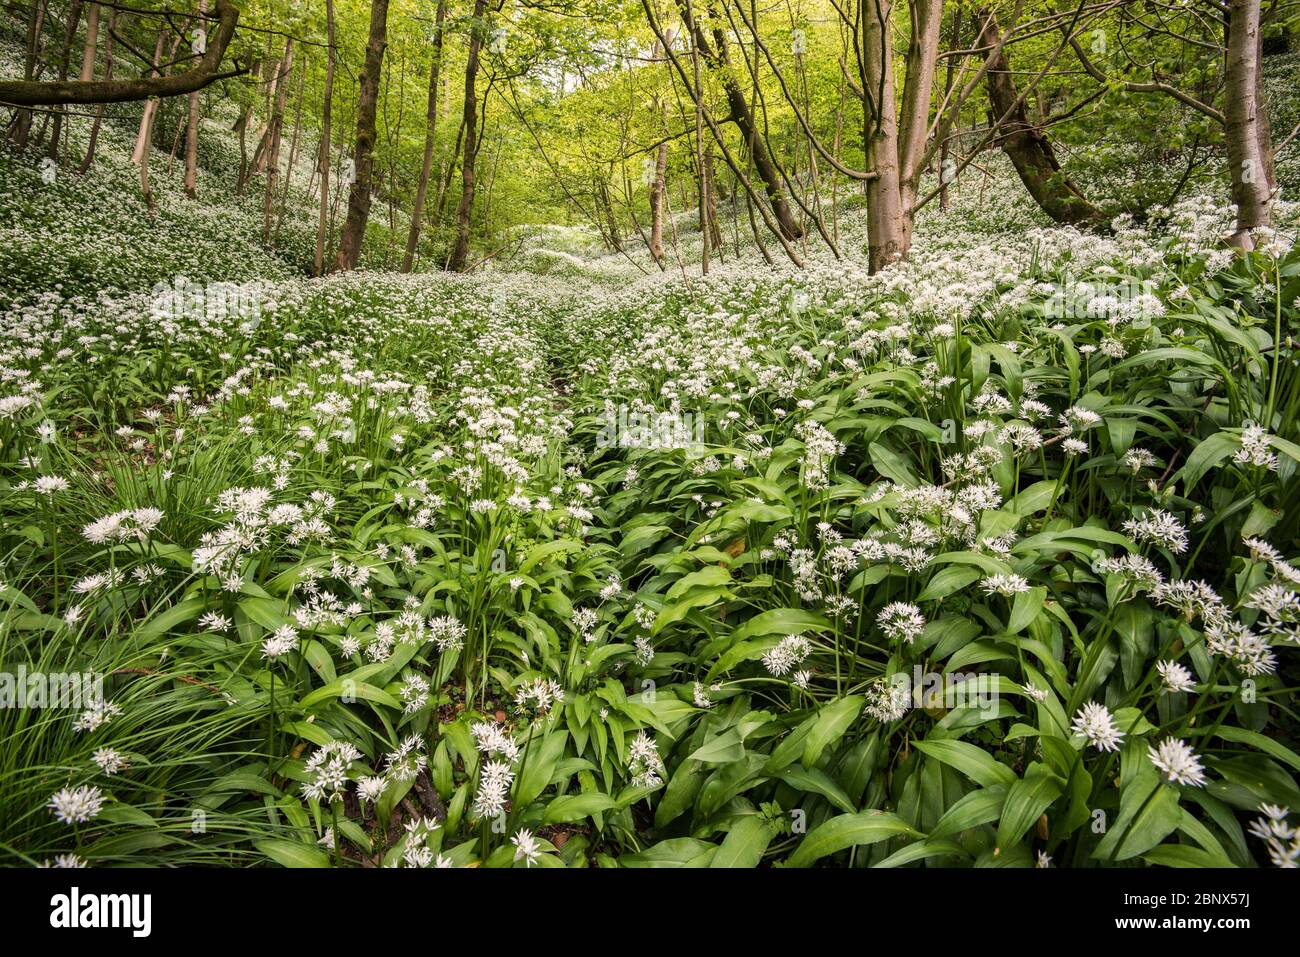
(903, 131)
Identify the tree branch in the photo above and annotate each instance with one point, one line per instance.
(35, 93)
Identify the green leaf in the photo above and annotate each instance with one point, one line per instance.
(675, 852)
(978, 807)
(849, 830)
(1148, 813)
(349, 687)
(703, 597)
(574, 807)
(126, 814)
(1027, 799)
(1256, 740)
(948, 580)
(708, 577)
(543, 756)
(292, 853)
(972, 761)
(723, 749)
(817, 781)
(831, 724)
(744, 844)
(781, 621)
(1207, 454)
(1025, 608)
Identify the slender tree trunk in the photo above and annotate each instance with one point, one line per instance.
(241, 127)
(918, 88)
(1263, 123)
(324, 158)
(1246, 162)
(658, 191)
(611, 220)
(176, 145)
(35, 23)
(293, 155)
(144, 137)
(1028, 147)
(273, 151)
(192, 136)
(108, 75)
(444, 187)
(65, 56)
(354, 226)
(456, 262)
(430, 138)
(89, 50)
(703, 200)
(658, 197)
(953, 42)
(713, 232)
(264, 138)
(718, 58)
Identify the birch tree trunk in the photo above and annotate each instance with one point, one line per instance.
(918, 88)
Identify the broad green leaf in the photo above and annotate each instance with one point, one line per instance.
(849, 830)
(971, 760)
(744, 844)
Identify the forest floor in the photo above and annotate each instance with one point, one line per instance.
(577, 562)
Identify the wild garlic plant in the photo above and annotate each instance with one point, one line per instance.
(986, 558)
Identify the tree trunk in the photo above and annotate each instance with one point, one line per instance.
(658, 194)
(324, 158)
(354, 226)
(611, 220)
(92, 40)
(108, 75)
(430, 137)
(460, 250)
(192, 135)
(65, 56)
(886, 235)
(144, 137)
(23, 122)
(918, 89)
(273, 151)
(1028, 147)
(713, 232)
(953, 42)
(264, 138)
(293, 156)
(1250, 188)
(241, 127)
(1264, 125)
(719, 60)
